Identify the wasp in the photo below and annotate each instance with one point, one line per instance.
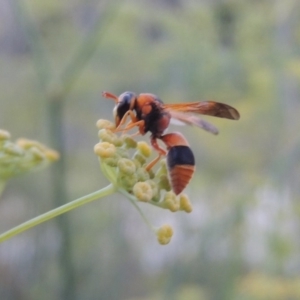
(148, 113)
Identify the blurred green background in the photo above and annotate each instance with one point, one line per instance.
(242, 240)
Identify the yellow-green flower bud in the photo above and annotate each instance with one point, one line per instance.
(156, 197)
(142, 174)
(118, 141)
(164, 183)
(12, 149)
(144, 148)
(170, 202)
(123, 152)
(112, 161)
(105, 149)
(185, 203)
(129, 141)
(37, 154)
(127, 181)
(164, 234)
(105, 124)
(143, 191)
(137, 163)
(4, 135)
(23, 156)
(106, 135)
(51, 155)
(28, 144)
(154, 186)
(162, 170)
(126, 166)
(151, 174)
(140, 158)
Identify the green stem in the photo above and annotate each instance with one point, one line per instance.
(110, 189)
(107, 171)
(133, 201)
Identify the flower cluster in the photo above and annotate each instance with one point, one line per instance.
(124, 162)
(22, 156)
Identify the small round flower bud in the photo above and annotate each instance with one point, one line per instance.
(105, 124)
(144, 148)
(106, 135)
(4, 135)
(162, 170)
(164, 234)
(153, 185)
(37, 154)
(164, 183)
(140, 158)
(170, 202)
(156, 197)
(137, 163)
(123, 152)
(126, 166)
(118, 142)
(51, 155)
(104, 149)
(142, 174)
(151, 174)
(127, 181)
(185, 203)
(12, 149)
(112, 161)
(27, 144)
(143, 191)
(129, 141)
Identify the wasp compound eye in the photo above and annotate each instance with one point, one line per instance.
(124, 104)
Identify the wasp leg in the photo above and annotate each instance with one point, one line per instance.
(123, 121)
(132, 123)
(140, 124)
(135, 134)
(161, 152)
(110, 96)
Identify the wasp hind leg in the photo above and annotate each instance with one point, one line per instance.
(161, 152)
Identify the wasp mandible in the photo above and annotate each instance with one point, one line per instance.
(148, 113)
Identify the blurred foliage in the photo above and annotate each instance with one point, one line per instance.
(258, 286)
(242, 239)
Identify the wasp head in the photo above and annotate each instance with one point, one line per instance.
(125, 102)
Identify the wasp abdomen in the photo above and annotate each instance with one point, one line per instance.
(181, 165)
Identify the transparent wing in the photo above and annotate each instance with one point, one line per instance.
(209, 108)
(188, 119)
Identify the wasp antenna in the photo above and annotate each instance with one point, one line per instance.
(110, 96)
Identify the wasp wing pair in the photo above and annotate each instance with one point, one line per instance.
(183, 112)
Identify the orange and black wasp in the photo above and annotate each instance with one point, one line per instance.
(149, 113)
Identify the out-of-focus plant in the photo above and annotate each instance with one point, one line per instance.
(22, 156)
(258, 286)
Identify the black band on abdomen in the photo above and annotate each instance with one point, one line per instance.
(180, 155)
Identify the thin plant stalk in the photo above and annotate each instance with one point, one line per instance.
(110, 189)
